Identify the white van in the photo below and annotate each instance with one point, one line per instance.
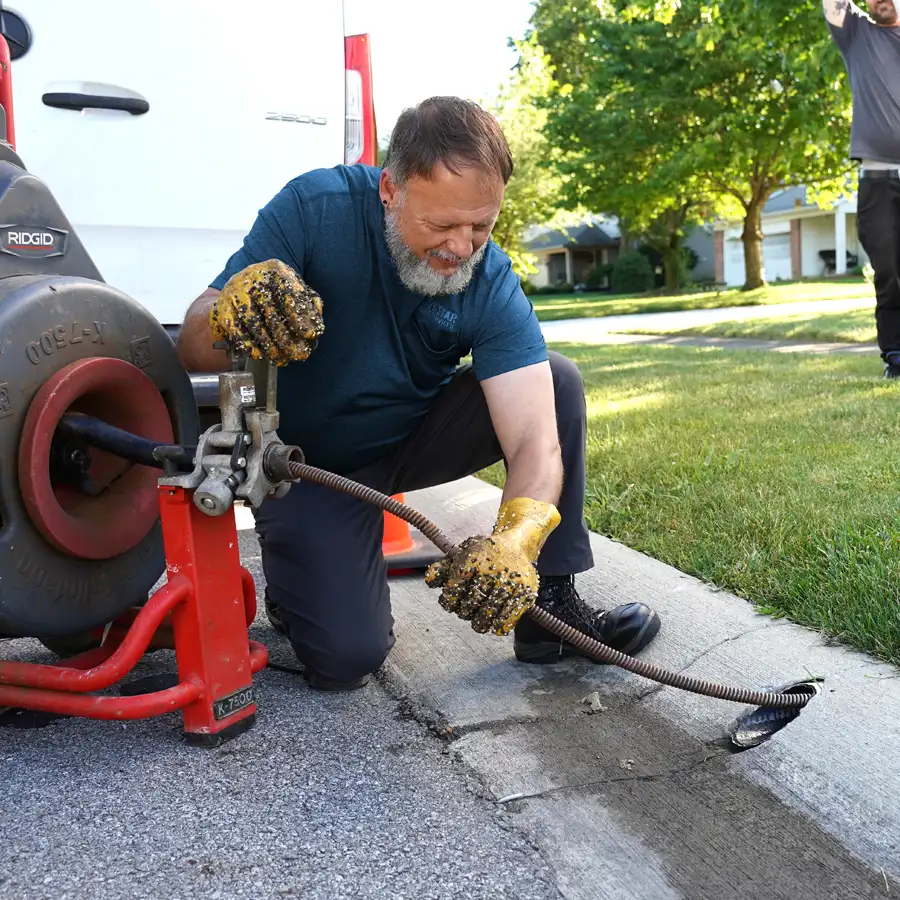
(161, 128)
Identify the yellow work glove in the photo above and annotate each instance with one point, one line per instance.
(492, 581)
(267, 312)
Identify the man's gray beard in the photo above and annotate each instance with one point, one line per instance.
(417, 275)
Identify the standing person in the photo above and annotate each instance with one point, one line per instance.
(405, 283)
(870, 45)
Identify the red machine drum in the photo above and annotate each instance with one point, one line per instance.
(75, 551)
(123, 505)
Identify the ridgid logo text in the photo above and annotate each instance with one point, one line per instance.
(31, 243)
(30, 239)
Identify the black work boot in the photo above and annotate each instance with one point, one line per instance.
(627, 628)
(892, 364)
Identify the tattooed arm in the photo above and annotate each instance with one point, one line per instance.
(835, 11)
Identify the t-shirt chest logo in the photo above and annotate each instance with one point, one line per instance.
(440, 315)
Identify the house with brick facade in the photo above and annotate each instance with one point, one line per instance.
(800, 240)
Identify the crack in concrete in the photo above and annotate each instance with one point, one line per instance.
(599, 782)
(498, 726)
(443, 727)
(703, 653)
(438, 726)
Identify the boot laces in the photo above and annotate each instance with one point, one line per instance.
(560, 598)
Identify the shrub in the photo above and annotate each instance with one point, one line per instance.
(687, 262)
(632, 274)
(528, 287)
(595, 280)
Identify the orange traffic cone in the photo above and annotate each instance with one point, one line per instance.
(404, 548)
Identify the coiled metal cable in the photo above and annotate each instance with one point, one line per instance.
(587, 645)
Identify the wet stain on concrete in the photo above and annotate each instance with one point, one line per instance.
(657, 807)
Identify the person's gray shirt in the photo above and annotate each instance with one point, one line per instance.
(872, 56)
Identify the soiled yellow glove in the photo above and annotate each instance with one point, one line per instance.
(266, 311)
(491, 581)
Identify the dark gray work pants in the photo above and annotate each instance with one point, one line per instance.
(322, 550)
(878, 228)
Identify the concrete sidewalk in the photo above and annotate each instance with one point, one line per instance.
(671, 340)
(596, 330)
(641, 800)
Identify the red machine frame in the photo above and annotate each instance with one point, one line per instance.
(202, 612)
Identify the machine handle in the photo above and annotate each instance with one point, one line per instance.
(137, 106)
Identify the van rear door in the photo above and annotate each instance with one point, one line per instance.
(162, 128)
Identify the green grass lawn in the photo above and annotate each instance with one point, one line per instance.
(856, 326)
(580, 306)
(774, 477)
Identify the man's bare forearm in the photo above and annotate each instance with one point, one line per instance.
(836, 11)
(535, 472)
(195, 342)
(523, 412)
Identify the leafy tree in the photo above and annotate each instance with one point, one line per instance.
(532, 195)
(622, 150)
(383, 143)
(669, 105)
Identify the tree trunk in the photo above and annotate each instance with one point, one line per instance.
(671, 248)
(671, 268)
(625, 238)
(752, 237)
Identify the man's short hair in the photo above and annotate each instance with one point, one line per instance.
(448, 130)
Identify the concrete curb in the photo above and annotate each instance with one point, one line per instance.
(833, 767)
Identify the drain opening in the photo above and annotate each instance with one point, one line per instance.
(757, 725)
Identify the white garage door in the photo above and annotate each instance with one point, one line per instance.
(777, 257)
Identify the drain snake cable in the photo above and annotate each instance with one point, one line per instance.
(143, 451)
(587, 645)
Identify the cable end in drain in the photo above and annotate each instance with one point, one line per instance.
(756, 725)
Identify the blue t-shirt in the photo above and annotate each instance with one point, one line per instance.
(386, 352)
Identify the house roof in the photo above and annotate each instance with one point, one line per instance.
(782, 203)
(786, 200)
(592, 232)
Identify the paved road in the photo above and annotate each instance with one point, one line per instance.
(588, 331)
(329, 796)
